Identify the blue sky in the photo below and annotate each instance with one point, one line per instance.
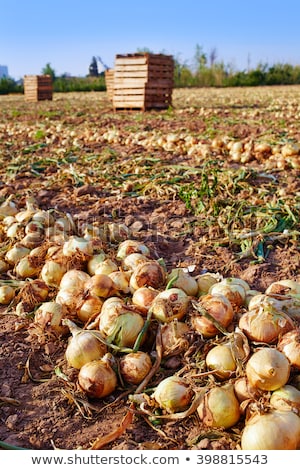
(68, 33)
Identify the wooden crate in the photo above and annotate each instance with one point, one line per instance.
(143, 81)
(38, 87)
(109, 81)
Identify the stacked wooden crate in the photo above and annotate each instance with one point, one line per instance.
(38, 87)
(109, 82)
(143, 81)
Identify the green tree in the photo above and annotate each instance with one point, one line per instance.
(48, 70)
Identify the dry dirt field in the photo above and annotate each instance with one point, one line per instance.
(210, 185)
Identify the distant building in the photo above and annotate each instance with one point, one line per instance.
(3, 71)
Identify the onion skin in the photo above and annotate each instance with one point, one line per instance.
(143, 297)
(170, 304)
(219, 307)
(286, 398)
(149, 274)
(173, 394)
(221, 361)
(220, 407)
(268, 369)
(135, 366)
(289, 345)
(97, 379)
(83, 346)
(276, 430)
(264, 325)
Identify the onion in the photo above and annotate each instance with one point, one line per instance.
(74, 280)
(205, 282)
(183, 280)
(219, 407)
(170, 304)
(127, 247)
(49, 316)
(101, 285)
(83, 346)
(290, 305)
(26, 267)
(4, 266)
(219, 307)
(284, 287)
(173, 338)
(221, 361)
(89, 307)
(233, 288)
(52, 273)
(143, 298)
(117, 232)
(264, 323)
(106, 266)
(121, 281)
(173, 394)
(123, 330)
(276, 430)
(149, 274)
(14, 230)
(132, 261)
(135, 366)
(289, 345)
(97, 379)
(286, 398)
(7, 293)
(244, 391)
(94, 261)
(44, 217)
(268, 369)
(17, 252)
(77, 244)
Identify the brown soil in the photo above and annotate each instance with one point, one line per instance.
(43, 410)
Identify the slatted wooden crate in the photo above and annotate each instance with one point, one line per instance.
(143, 81)
(38, 87)
(109, 81)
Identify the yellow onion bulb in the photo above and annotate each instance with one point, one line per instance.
(149, 274)
(143, 297)
(183, 280)
(205, 282)
(83, 346)
(174, 338)
(89, 307)
(268, 369)
(97, 379)
(170, 304)
(244, 391)
(121, 281)
(7, 293)
(124, 329)
(126, 247)
(4, 266)
(219, 407)
(101, 285)
(219, 307)
(75, 245)
(135, 366)
(284, 287)
(49, 316)
(52, 273)
(74, 280)
(26, 267)
(94, 261)
(220, 360)
(233, 288)
(265, 324)
(15, 253)
(173, 394)
(286, 398)
(275, 430)
(133, 260)
(106, 266)
(289, 345)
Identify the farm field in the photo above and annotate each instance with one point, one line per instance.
(210, 185)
